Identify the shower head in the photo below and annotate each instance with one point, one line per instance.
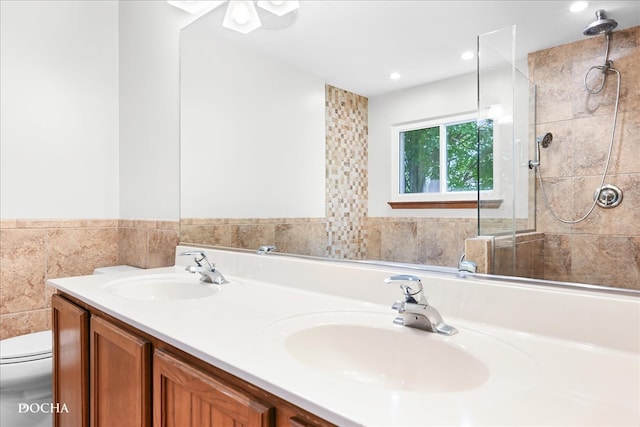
(545, 140)
(602, 25)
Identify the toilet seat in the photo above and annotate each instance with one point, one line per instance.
(26, 348)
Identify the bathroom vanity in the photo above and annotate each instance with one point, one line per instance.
(293, 341)
(116, 375)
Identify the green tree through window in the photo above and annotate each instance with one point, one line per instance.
(421, 160)
(464, 170)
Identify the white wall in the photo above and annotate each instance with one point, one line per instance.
(59, 109)
(444, 98)
(149, 109)
(253, 132)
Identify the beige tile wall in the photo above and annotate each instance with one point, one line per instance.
(605, 248)
(32, 251)
(433, 241)
(305, 236)
(146, 243)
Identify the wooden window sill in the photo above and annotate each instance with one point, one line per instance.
(449, 204)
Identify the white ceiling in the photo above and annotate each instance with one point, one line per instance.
(355, 45)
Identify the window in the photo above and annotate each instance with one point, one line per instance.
(438, 160)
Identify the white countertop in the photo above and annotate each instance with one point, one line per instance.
(534, 378)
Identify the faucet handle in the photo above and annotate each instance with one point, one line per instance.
(198, 258)
(411, 287)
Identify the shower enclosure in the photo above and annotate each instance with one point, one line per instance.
(506, 99)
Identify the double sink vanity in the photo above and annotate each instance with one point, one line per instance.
(294, 341)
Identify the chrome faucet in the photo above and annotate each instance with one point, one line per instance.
(415, 311)
(466, 266)
(208, 272)
(265, 249)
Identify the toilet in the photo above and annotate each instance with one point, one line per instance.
(25, 380)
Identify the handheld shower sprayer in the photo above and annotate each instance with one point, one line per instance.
(545, 141)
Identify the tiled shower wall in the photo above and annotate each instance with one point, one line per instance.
(32, 251)
(605, 248)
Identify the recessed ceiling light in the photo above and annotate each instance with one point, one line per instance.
(578, 6)
(394, 76)
(467, 55)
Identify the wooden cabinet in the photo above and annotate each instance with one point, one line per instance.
(100, 372)
(184, 396)
(70, 362)
(120, 377)
(105, 373)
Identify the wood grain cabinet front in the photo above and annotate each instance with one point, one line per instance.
(109, 373)
(70, 325)
(184, 396)
(120, 377)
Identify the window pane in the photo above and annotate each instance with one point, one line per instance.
(463, 141)
(420, 161)
(485, 140)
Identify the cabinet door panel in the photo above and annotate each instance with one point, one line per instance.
(120, 377)
(187, 397)
(300, 422)
(70, 325)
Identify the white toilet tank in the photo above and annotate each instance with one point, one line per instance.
(25, 380)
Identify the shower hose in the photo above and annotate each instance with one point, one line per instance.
(604, 69)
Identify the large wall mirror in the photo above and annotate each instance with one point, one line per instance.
(260, 112)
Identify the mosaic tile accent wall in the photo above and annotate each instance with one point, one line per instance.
(605, 248)
(32, 251)
(346, 173)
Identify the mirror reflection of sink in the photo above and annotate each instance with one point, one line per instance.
(159, 287)
(367, 348)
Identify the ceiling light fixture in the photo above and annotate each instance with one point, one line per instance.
(241, 16)
(394, 76)
(578, 6)
(279, 7)
(467, 55)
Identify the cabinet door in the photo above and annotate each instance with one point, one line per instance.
(70, 325)
(120, 377)
(184, 396)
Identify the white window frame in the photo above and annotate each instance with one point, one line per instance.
(443, 194)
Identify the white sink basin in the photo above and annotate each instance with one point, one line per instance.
(158, 287)
(367, 348)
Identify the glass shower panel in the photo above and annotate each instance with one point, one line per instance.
(504, 99)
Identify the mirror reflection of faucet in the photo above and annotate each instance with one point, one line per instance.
(465, 266)
(415, 311)
(207, 270)
(265, 249)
